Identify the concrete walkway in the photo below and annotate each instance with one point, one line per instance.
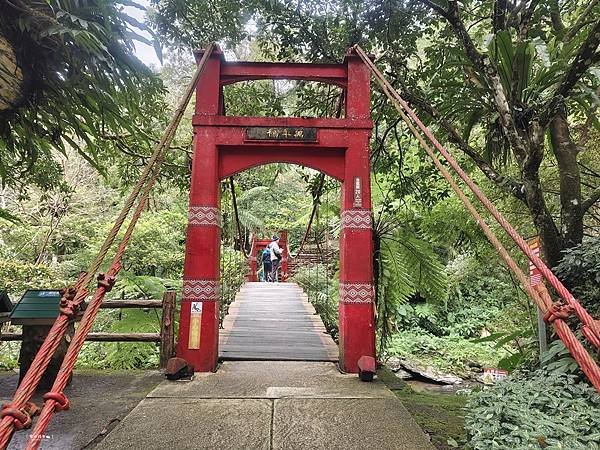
(274, 321)
(99, 401)
(273, 391)
(267, 405)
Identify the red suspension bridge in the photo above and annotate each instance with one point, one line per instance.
(226, 145)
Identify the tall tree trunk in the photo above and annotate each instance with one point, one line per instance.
(11, 77)
(565, 151)
(542, 219)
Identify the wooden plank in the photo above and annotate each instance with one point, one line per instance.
(274, 322)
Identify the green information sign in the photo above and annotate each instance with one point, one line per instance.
(36, 307)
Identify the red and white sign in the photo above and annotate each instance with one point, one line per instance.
(535, 276)
(492, 375)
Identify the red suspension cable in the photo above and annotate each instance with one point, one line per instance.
(555, 314)
(564, 293)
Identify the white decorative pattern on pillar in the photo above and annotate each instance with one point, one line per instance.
(201, 290)
(357, 219)
(204, 216)
(356, 293)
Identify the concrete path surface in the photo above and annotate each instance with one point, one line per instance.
(274, 321)
(267, 405)
(99, 400)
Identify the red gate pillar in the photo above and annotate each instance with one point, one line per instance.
(199, 317)
(252, 261)
(283, 241)
(356, 307)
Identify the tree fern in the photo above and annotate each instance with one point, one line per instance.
(143, 286)
(408, 267)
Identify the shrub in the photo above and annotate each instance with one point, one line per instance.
(17, 277)
(546, 410)
(448, 353)
(580, 270)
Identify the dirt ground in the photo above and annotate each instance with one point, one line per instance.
(99, 401)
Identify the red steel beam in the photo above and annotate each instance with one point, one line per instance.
(248, 121)
(234, 72)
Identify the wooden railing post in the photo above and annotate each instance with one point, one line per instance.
(167, 328)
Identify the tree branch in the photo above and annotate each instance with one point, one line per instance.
(489, 71)
(526, 19)
(506, 184)
(513, 18)
(591, 200)
(499, 15)
(581, 21)
(583, 60)
(437, 8)
(453, 17)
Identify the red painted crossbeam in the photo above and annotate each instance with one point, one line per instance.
(234, 72)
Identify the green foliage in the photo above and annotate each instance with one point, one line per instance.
(558, 360)
(408, 267)
(123, 355)
(224, 23)
(580, 270)
(449, 354)
(234, 268)
(129, 285)
(520, 346)
(81, 88)
(322, 292)
(16, 277)
(9, 355)
(157, 246)
(546, 410)
(414, 268)
(253, 99)
(478, 304)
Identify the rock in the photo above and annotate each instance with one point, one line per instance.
(428, 372)
(395, 365)
(403, 374)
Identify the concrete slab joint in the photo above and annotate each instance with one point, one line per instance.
(269, 405)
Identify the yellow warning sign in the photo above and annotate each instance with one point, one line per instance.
(195, 325)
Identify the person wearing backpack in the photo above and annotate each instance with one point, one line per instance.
(266, 262)
(276, 256)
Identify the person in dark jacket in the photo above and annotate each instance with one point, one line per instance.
(266, 260)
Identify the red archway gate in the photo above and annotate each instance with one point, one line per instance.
(225, 145)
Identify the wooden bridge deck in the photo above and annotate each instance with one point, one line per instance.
(274, 321)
